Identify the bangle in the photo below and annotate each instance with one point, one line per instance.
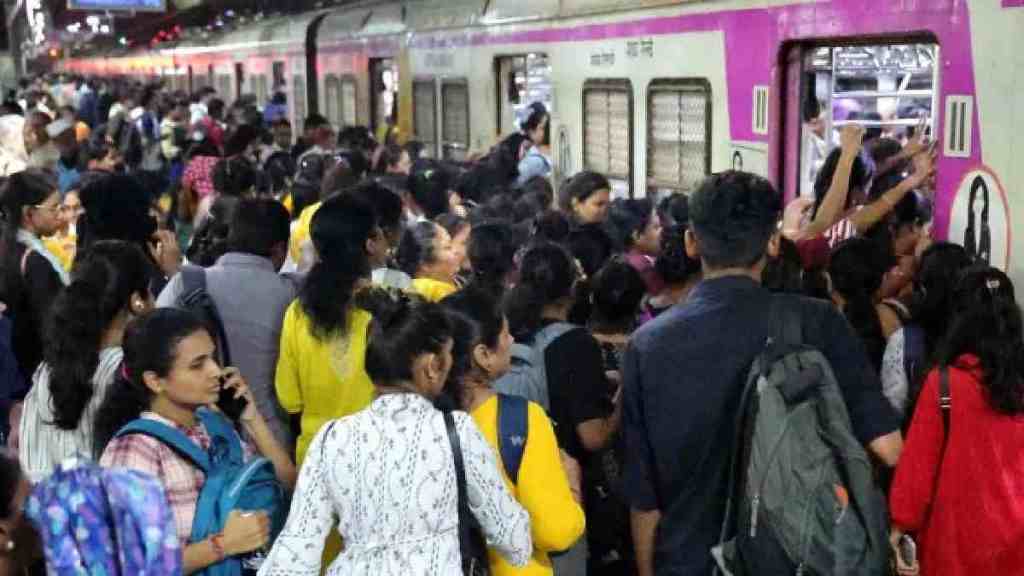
(217, 543)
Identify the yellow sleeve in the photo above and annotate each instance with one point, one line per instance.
(288, 379)
(556, 519)
(301, 231)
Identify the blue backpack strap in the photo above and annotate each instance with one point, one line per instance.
(217, 426)
(170, 436)
(513, 430)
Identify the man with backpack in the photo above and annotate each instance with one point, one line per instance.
(778, 445)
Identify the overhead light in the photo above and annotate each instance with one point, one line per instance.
(105, 29)
(92, 20)
(122, 41)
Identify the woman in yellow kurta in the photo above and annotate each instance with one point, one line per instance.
(320, 371)
(425, 253)
(481, 354)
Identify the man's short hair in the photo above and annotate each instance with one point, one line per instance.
(258, 226)
(733, 216)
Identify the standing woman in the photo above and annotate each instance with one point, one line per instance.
(320, 372)
(481, 354)
(960, 476)
(170, 373)
(425, 253)
(32, 275)
(638, 227)
(82, 355)
(585, 198)
(534, 162)
(387, 475)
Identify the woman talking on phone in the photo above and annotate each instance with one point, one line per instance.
(169, 374)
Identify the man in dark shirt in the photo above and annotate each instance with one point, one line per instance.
(684, 373)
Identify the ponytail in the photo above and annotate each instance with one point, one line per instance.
(105, 279)
(547, 274)
(857, 268)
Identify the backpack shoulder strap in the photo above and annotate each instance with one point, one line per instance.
(218, 426)
(513, 430)
(194, 292)
(174, 438)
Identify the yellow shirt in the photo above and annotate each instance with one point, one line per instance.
(556, 519)
(63, 247)
(301, 231)
(323, 380)
(432, 290)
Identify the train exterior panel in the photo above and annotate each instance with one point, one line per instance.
(728, 78)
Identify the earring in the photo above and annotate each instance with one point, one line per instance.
(9, 546)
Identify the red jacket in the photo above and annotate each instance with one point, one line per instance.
(965, 509)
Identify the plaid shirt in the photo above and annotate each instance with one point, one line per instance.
(181, 480)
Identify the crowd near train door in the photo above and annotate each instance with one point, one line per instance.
(889, 89)
(383, 95)
(521, 80)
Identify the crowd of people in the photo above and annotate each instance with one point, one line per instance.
(227, 348)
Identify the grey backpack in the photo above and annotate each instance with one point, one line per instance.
(527, 376)
(803, 499)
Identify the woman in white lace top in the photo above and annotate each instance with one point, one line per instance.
(386, 475)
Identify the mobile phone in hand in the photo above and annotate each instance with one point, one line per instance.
(227, 403)
(907, 550)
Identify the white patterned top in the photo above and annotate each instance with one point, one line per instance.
(895, 383)
(43, 445)
(386, 475)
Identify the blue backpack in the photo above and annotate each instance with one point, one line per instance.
(231, 484)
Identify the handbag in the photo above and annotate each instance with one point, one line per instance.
(472, 545)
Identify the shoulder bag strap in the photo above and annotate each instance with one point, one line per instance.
(193, 281)
(945, 404)
(460, 482)
(24, 260)
(513, 428)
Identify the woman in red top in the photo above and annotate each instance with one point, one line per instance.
(964, 504)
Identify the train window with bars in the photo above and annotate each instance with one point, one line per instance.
(455, 119)
(608, 132)
(332, 95)
(424, 114)
(348, 102)
(299, 98)
(678, 134)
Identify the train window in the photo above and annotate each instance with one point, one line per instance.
(348, 102)
(608, 132)
(887, 88)
(299, 99)
(521, 81)
(678, 134)
(224, 88)
(278, 73)
(455, 119)
(262, 95)
(332, 93)
(424, 114)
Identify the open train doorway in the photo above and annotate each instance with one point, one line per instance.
(383, 96)
(888, 88)
(521, 80)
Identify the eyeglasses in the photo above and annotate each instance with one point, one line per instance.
(53, 209)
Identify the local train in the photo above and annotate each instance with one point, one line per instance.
(653, 93)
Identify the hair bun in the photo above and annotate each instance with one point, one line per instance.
(386, 305)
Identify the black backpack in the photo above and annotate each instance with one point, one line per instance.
(196, 299)
(802, 493)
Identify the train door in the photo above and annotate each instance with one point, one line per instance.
(888, 88)
(278, 76)
(424, 115)
(520, 81)
(383, 91)
(239, 79)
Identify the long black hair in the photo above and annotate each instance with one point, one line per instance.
(21, 190)
(117, 207)
(476, 318)
(933, 300)
(547, 275)
(404, 326)
(104, 281)
(857, 268)
(616, 292)
(628, 218)
(150, 345)
(580, 187)
(210, 240)
(339, 231)
(987, 323)
(860, 177)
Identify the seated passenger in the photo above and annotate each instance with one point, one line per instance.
(386, 475)
(481, 354)
(169, 373)
(958, 484)
(684, 371)
(82, 353)
(425, 253)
